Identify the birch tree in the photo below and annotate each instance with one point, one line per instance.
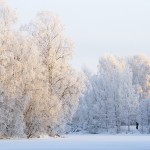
(61, 85)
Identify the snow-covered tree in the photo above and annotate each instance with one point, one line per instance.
(144, 116)
(10, 118)
(140, 65)
(129, 98)
(61, 85)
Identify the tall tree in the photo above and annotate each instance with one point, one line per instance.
(61, 85)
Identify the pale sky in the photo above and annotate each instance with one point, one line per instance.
(119, 27)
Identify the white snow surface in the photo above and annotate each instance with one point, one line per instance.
(81, 142)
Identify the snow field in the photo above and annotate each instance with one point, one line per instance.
(81, 142)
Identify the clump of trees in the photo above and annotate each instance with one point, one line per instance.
(39, 90)
(117, 96)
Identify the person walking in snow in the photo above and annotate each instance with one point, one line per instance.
(137, 125)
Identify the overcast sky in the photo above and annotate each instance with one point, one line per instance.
(119, 27)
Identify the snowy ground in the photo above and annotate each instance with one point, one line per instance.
(81, 142)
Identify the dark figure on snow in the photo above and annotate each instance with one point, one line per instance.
(137, 125)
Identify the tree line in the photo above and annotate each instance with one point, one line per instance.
(41, 93)
(116, 96)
